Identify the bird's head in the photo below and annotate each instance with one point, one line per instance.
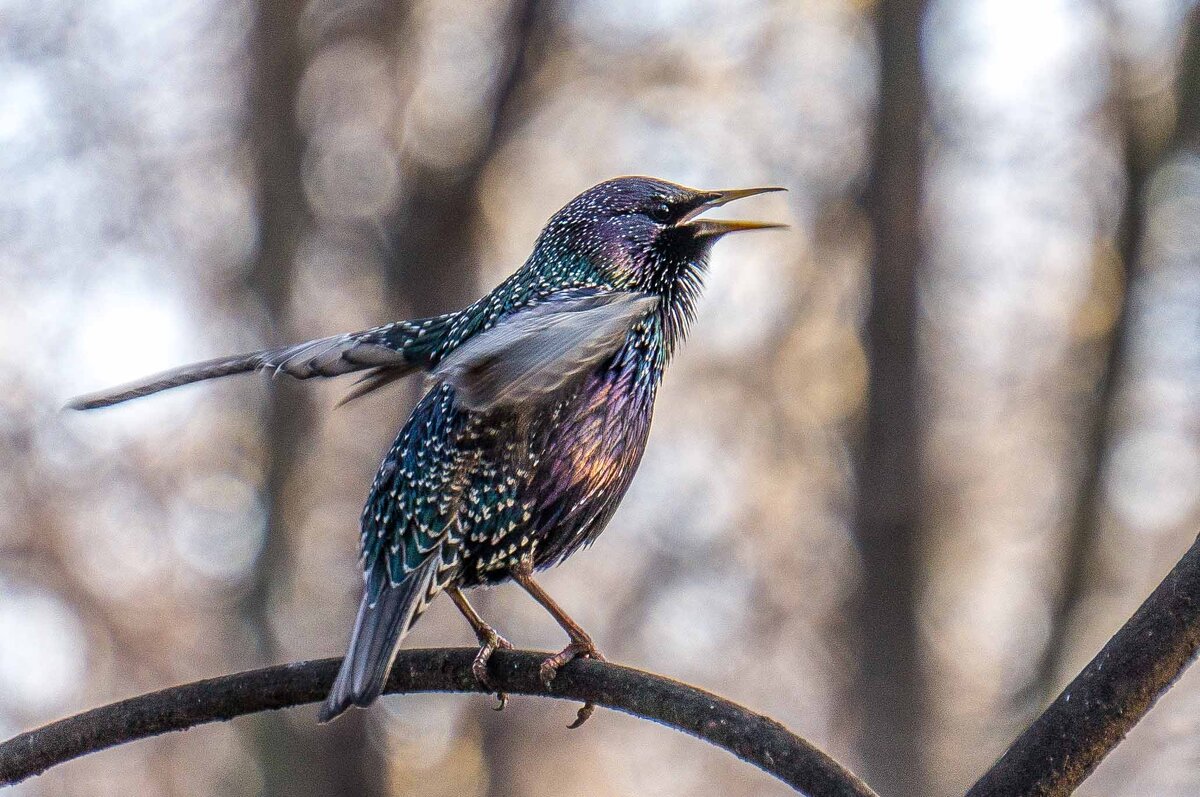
(644, 233)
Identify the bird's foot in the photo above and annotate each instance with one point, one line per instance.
(490, 642)
(581, 643)
(579, 648)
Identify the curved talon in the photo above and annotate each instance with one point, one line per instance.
(585, 712)
(491, 642)
(549, 669)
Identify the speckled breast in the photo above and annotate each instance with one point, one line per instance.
(578, 458)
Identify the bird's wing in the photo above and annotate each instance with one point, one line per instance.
(390, 352)
(540, 349)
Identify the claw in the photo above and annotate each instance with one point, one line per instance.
(585, 711)
(580, 648)
(490, 643)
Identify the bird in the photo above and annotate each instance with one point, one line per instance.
(534, 420)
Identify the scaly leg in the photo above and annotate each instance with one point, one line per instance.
(581, 643)
(489, 642)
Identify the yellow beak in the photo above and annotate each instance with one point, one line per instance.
(712, 228)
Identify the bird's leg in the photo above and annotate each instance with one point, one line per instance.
(489, 643)
(581, 642)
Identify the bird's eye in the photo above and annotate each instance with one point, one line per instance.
(660, 213)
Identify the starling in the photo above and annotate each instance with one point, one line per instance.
(535, 420)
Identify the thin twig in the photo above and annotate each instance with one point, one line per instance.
(1093, 714)
(751, 737)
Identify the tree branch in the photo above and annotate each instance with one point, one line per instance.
(1112, 694)
(751, 737)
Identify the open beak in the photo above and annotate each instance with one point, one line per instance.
(714, 228)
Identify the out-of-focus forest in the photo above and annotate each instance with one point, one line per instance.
(188, 179)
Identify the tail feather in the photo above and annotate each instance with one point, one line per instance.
(387, 353)
(209, 369)
(378, 631)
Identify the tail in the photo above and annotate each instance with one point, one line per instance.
(378, 631)
(386, 353)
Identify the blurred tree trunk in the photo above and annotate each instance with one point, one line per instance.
(1144, 155)
(295, 760)
(892, 705)
(429, 237)
(1186, 135)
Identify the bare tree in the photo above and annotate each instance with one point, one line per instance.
(889, 690)
(1142, 161)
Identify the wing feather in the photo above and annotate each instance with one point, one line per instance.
(540, 349)
(528, 354)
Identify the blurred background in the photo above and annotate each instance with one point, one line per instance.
(924, 452)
